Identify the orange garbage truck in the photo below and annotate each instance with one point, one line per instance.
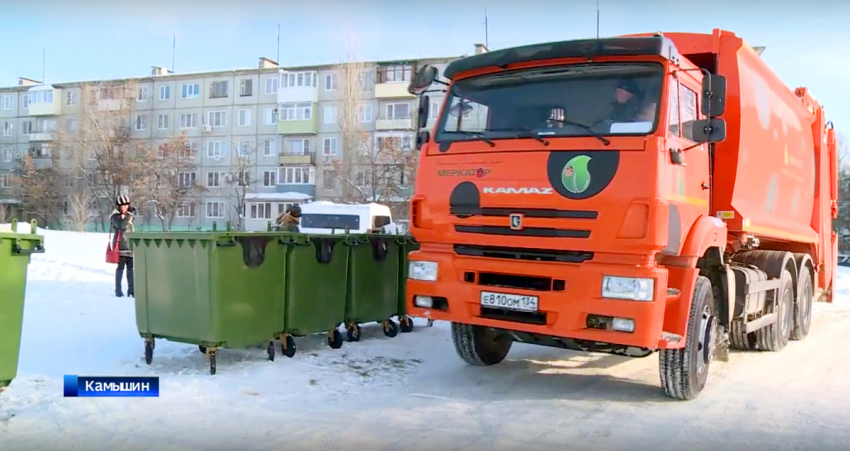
(661, 192)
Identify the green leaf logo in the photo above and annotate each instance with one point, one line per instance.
(575, 176)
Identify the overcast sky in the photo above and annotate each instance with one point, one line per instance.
(808, 43)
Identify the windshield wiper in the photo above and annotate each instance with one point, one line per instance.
(526, 133)
(480, 136)
(584, 127)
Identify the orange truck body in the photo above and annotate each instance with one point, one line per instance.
(771, 186)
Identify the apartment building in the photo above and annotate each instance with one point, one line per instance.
(283, 119)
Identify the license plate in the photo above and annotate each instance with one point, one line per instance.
(509, 301)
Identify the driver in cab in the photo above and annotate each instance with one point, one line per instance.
(627, 104)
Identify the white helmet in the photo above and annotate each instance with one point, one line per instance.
(122, 200)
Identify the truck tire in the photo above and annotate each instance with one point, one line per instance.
(774, 337)
(684, 372)
(803, 306)
(738, 337)
(480, 346)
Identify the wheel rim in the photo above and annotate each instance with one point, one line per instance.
(705, 345)
(806, 306)
(785, 313)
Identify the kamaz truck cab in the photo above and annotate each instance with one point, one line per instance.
(564, 198)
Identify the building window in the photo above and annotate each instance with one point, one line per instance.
(329, 146)
(188, 120)
(296, 111)
(218, 89)
(8, 102)
(5, 180)
(185, 210)
(394, 73)
(215, 209)
(41, 97)
(296, 175)
(330, 114)
(244, 178)
(8, 128)
(190, 91)
(162, 122)
(300, 79)
(26, 101)
(328, 179)
(244, 148)
(271, 85)
(269, 178)
(244, 118)
(143, 94)
(71, 98)
(366, 113)
(165, 92)
(260, 210)
(216, 150)
(270, 116)
(69, 181)
(217, 119)
(26, 128)
(186, 179)
(141, 123)
(398, 111)
(269, 147)
(330, 82)
(433, 110)
(246, 87)
(160, 151)
(299, 146)
(7, 155)
(214, 179)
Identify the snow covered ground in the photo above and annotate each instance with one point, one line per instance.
(404, 393)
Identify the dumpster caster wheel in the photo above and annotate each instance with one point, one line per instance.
(148, 352)
(390, 328)
(406, 324)
(287, 346)
(270, 351)
(430, 323)
(334, 339)
(212, 354)
(354, 332)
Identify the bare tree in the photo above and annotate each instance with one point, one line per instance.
(239, 180)
(369, 170)
(164, 179)
(101, 143)
(38, 190)
(82, 210)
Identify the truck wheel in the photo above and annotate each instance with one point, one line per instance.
(775, 336)
(803, 306)
(480, 346)
(685, 371)
(739, 338)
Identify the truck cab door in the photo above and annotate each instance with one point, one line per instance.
(688, 174)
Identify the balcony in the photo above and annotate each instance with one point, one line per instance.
(41, 137)
(298, 87)
(394, 124)
(45, 101)
(299, 127)
(290, 189)
(393, 90)
(296, 158)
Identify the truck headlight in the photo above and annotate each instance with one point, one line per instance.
(632, 288)
(422, 270)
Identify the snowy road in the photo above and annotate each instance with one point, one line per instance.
(406, 393)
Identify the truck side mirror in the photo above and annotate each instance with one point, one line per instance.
(422, 79)
(424, 110)
(713, 95)
(709, 130)
(422, 138)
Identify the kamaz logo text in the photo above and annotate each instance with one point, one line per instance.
(517, 190)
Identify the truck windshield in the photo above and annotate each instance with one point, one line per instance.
(571, 100)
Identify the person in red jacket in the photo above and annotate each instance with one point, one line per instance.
(121, 222)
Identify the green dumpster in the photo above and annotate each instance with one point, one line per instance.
(372, 293)
(216, 289)
(316, 271)
(406, 244)
(15, 251)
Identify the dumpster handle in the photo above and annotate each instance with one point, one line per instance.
(226, 244)
(324, 250)
(380, 249)
(18, 250)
